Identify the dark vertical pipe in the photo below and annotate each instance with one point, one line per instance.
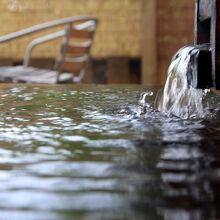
(216, 43)
(213, 43)
(207, 30)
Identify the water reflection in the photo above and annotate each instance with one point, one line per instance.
(190, 174)
(83, 152)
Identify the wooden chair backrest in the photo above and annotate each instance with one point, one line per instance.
(75, 49)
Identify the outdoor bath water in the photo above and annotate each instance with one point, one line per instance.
(88, 152)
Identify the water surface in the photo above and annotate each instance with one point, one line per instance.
(87, 152)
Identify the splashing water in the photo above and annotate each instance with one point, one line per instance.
(179, 98)
(143, 105)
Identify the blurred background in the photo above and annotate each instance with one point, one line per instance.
(134, 42)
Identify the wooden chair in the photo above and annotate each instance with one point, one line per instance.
(74, 55)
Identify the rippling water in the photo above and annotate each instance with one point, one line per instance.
(89, 152)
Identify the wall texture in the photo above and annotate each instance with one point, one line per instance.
(120, 30)
(175, 29)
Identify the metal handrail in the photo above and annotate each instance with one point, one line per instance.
(40, 40)
(45, 26)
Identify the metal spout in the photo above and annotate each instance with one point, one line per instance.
(207, 31)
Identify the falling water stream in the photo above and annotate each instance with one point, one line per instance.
(179, 97)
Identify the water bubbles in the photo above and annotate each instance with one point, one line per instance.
(206, 91)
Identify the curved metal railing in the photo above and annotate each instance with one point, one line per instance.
(44, 26)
